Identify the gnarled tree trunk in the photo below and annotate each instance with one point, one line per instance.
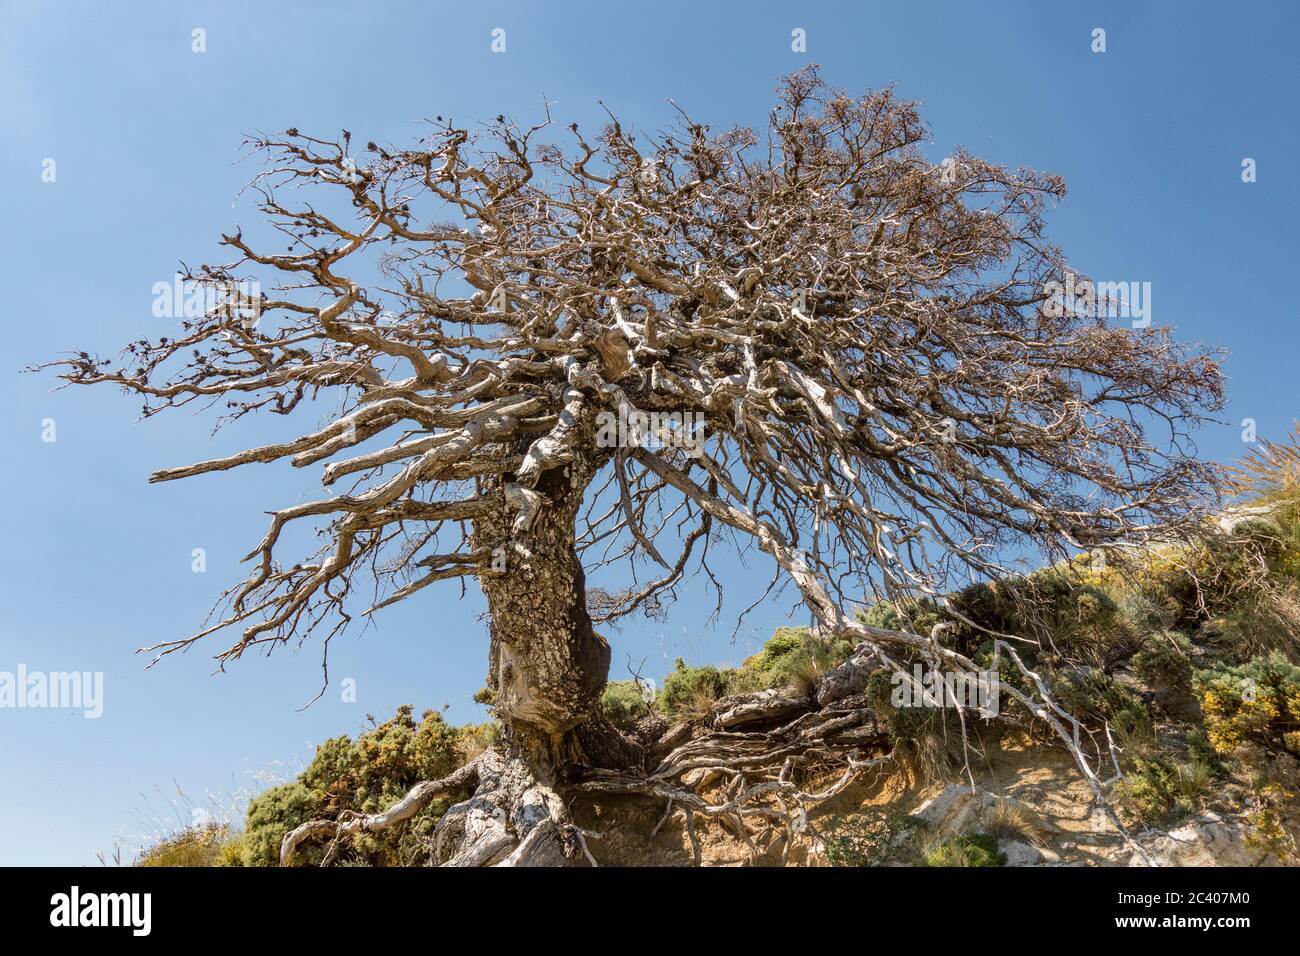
(548, 668)
(547, 665)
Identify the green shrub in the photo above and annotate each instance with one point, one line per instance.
(1202, 751)
(367, 775)
(905, 723)
(967, 849)
(476, 738)
(914, 616)
(1092, 693)
(1164, 661)
(868, 839)
(926, 739)
(882, 614)
(1065, 607)
(786, 640)
(1256, 702)
(792, 658)
(270, 816)
(1146, 613)
(232, 852)
(803, 666)
(688, 688)
(624, 703)
(747, 679)
(1158, 786)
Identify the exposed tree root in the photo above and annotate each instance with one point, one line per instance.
(766, 760)
(759, 775)
(419, 796)
(513, 817)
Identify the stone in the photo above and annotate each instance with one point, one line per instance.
(951, 811)
(1208, 840)
(848, 678)
(1020, 854)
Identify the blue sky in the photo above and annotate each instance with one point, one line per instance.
(1149, 135)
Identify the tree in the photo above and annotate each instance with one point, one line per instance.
(551, 356)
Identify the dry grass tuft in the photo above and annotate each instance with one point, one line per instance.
(1012, 820)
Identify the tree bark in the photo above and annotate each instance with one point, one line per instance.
(547, 665)
(547, 668)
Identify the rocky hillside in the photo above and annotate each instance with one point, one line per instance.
(1181, 662)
